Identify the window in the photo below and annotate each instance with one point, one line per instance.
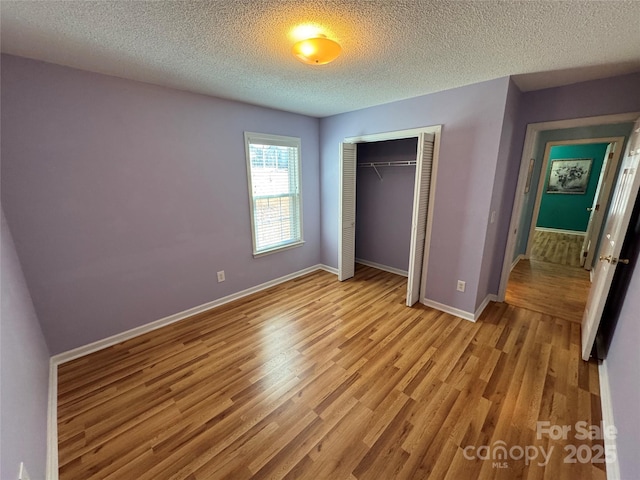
(273, 170)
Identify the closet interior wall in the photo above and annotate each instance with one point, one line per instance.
(384, 203)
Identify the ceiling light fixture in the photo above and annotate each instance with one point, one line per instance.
(318, 50)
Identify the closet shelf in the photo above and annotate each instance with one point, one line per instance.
(398, 163)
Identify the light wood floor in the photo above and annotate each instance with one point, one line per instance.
(318, 379)
(554, 289)
(560, 248)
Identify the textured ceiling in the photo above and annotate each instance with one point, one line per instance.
(391, 49)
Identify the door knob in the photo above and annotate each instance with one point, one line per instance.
(589, 209)
(614, 261)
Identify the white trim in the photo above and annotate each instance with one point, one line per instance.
(515, 262)
(384, 268)
(327, 268)
(280, 248)
(435, 131)
(52, 423)
(613, 468)
(489, 298)
(530, 139)
(559, 230)
(149, 327)
(456, 312)
(396, 135)
(591, 275)
(282, 141)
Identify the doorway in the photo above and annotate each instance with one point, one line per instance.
(528, 177)
(572, 197)
(384, 200)
(555, 298)
(426, 159)
(549, 279)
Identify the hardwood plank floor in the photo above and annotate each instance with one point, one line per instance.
(554, 289)
(318, 379)
(559, 248)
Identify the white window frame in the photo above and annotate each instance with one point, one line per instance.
(283, 141)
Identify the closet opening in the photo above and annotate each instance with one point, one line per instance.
(387, 186)
(385, 177)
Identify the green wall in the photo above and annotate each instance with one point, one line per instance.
(569, 211)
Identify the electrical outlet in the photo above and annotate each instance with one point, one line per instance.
(221, 276)
(493, 216)
(461, 286)
(23, 475)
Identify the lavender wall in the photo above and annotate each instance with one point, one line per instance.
(125, 198)
(472, 119)
(24, 372)
(504, 188)
(597, 97)
(384, 207)
(622, 365)
(587, 99)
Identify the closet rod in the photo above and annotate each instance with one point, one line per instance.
(403, 163)
(375, 165)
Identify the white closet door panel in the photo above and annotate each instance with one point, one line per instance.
(347, 214)
(420, 210)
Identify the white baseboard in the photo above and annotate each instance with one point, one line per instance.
(52, 414)
(456, 312)
(52, 423)
(489, 298)
(327, 268)
(613, 468)
(515, 262)
(385, 268)
(558, 230)
(176, 317)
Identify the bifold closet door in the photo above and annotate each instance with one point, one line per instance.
(347, 212)
(422, 190)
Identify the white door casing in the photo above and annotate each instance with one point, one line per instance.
(421, 195)
(347, 201)
(347, 212)
(616, 225)
(543, 178)
(532, 134)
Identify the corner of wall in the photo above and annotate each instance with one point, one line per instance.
(501, 202)
(25, 371)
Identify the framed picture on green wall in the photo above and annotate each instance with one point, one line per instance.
(569, 176)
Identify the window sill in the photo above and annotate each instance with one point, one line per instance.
(278, 249)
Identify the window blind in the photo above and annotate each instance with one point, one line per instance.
(274, 186)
